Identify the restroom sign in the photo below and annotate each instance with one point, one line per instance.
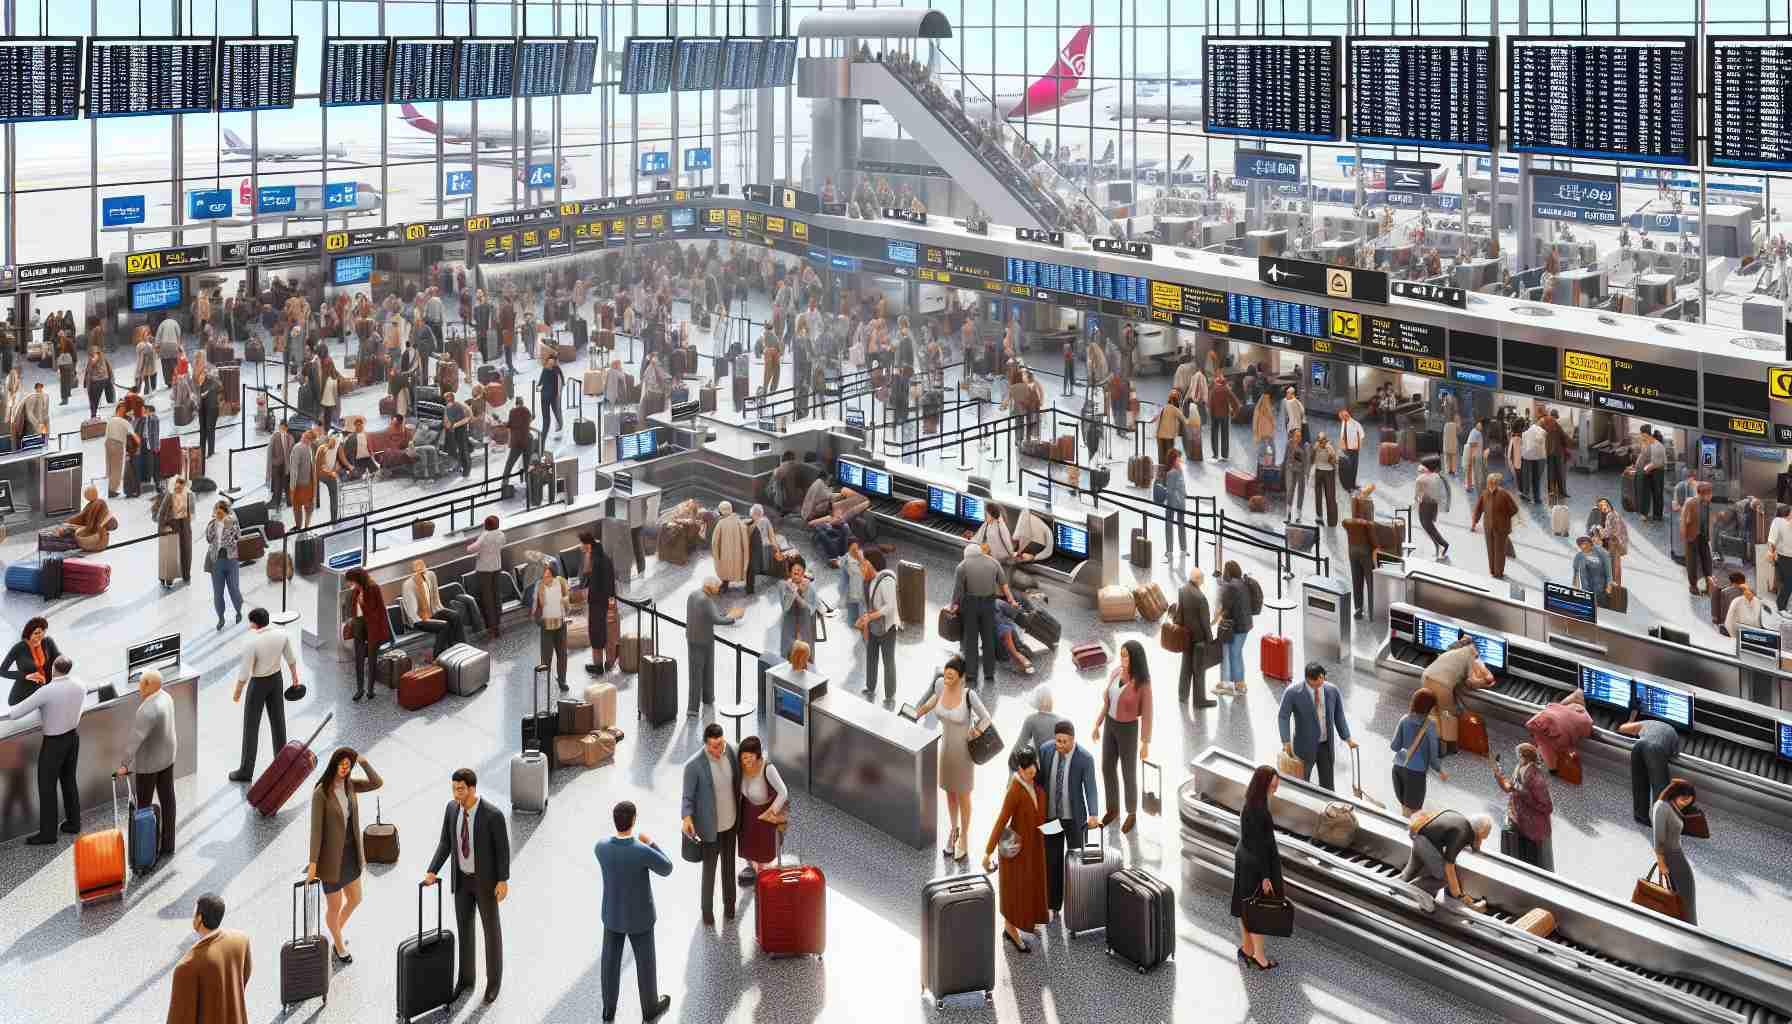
(1338, 283)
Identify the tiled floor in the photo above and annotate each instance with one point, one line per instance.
(122, 952)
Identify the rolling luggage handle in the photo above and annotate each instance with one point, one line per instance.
(1151, 797)
(541, 744)
(1356, 780)
(437, 935)
(301, 920)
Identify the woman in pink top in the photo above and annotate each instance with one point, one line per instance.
(1560, 728)
(1126, 711)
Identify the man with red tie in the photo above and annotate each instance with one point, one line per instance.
(475, 834)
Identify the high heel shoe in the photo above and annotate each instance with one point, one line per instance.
(342, 958)
(961, 854)
(1016, 943)
(951, 844)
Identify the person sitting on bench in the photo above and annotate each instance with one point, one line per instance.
(424, 609)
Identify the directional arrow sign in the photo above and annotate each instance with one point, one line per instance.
(1323, 279)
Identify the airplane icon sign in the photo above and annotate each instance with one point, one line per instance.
(1275, 273)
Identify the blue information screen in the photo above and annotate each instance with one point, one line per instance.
(1438, 636)
(850, 473)
(1570, 602)
(942, 501)
(352, 270)
(1605, 687)
(638, 446)
(1073, 540)
(902, 252)
(159, 293)
(1786, 739)
(877, 482)
(970, 508)
(1664, 702)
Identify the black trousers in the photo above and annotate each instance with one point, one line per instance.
(161, 786)
(444, 626)
(517, 455)
(460, 449)
(1782, 573)
(721, 850)
(1362, 579)
(1648, 777)
(1191, 677)
(551, 412)
(488, 601)
(1120, 749)
(1698, 562)
(1428, 522)
(1071, 839)
(1220, 427)
(880, 647)
(208, 430)
(1323, 761)
(263, 695)
(1325, 496)
(647, 980)
(56, 762)
(702, 663)
(979, 615)
(1347, 466)
(366, 658)
(473, 893)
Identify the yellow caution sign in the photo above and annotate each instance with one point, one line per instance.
(1586, 370)
(1779, 382)
(1346, 325)
(336, 241)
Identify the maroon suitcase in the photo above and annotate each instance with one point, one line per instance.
(791, 915)
(291, 767)
(1088, 656)
(1242, 485)
(85, 576)
(421, 687)
(168, 458)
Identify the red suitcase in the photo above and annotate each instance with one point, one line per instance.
(1242, 485)
(1277, 656)
(168, 458)
(421, 687)
(1088, 656)
(791, 917)
(292, 765)
(85, 576)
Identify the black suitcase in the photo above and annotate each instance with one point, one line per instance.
(958, 937)
(304, 961)
(49, 578)
(659, 689)
(1042, 626)
(541, 725)
(308, 555)
(584, 432)
(426, 965)
(581, 332)
(1141, 918)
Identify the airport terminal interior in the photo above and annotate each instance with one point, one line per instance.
(1150, 357)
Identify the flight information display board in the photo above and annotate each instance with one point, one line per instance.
(697, 64)
(485, 69)
(941, 501)
(581, 67)
(355, 72)
(1606, 687)
(647, 65)
(1267, 87)
(541, 67)
(1423, 92)
(743, 61)
(422, 70)
(40, 79)
(1440, 636)
(780, 62)
(1624, 98)
(257, 74)
(1658, 700)
(1748, 111)
(138, 76)
(1072, 540)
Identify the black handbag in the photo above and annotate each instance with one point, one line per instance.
(985, 745)
(1268, 915)
(690, 848)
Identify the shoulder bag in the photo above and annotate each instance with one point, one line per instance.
(1657, 896)
(985, 745)
(1406, 758)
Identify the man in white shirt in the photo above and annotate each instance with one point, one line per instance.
(263, 651)
(1350, 443)
(1533, 449)
(879, 624)
(1779, 548)
(150, 752)
(60, 700)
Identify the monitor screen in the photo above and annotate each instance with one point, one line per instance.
(40, 79)
(647, 65)
(1604, 686)
(1420, 91)
(355, 72)
(906, 253)
(257, 74)
(541, 66)
(1285, 88)
(1786, 739)
(156, 293)
(581, 66)
(697, 63)
(1570, 602)
(684, 217)
(1438, 636)
(877, 482)
(352, 270)
(779, 66)
(1073, 540)
(789, 705)
(743, 62)
(1665, 703)
(485, 69)
(638, 446)
(129, 77)
(1764, 642)
(970, 508)
(1632, 97)
(941, 501)
(850, 474)
(422, 70)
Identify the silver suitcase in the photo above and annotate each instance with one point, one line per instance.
(468, 668)
(1086, 871)
(529, 782)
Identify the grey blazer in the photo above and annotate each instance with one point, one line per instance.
(699, 801)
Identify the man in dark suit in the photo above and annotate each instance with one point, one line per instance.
(475, 834)
(1067, 773)
(598, 578)
(1316, 709)
(711, 810)
(627, 861)
(1198, 653)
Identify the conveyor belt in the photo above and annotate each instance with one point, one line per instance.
(948, 531)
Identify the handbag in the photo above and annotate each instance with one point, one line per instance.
(1268, 915)
(690, 848)
(985, 745)
(1008, 846)
(1290, 765)
(211, 559)
(1693, 822)
(1657, 896)
(1224, 632)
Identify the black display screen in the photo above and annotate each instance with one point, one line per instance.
(1423, 92)
(541, 67)
(780, 62)
(1670, 705)
(422, 70)
(355, 72)
(1606, 687)
(40, 79)
(1728, 392)
(697, 63)
(1264, 87)
(1406, 336)
(1470, 347)
(1570, 602)
(743, 62)
(485, 69)
(256, 74)
(1748, 112)
(1534, 360)
(647, 65)
(1601, 97)
(1628, 376)
(581, 67)
(134, 77)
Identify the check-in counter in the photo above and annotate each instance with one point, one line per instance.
(876, 766)
(105, 729)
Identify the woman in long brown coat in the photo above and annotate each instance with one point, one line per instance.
(1496, 506)
(337, 857)
(728, 543)
(1022, 876)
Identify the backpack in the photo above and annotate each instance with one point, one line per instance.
(883, 575)
(1256, 592)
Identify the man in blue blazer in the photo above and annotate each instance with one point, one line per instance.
(1312, 739)
(626, 861)
(710, 807)
(1067, 774)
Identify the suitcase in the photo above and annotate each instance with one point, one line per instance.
(22, 579)
(1471, 734)
(1616, 599)
(706, 398)
(83, 576)
(1766, 581)
(1538, 922)
(577, 717)
(426, 965)
(584, 432)
(91, 429)
(422, 686)
(1150, 601)
(602, 698)
(1140, 553)
(1141, 918)
(569, 751)
(1302, 537)
(1390, 453)
(99, 859)
(1064, 448)
(1720, 600)
(658, 699)
(305, 960)
(1086, 872)
(578, 634)
(632, 647)
(1173, 637)
(468, 669)
(951, 625)
(791, 913)
(1139, 471)
(290, 767)
(168, 457)
(1277, 655)
(1558, 520)
(49, 578)
(1568, 768)
(145, 837)
(1242, 485)
(958, 937)
(308, 553)
(193, 464)
(1115, 604)
(250, 546)
(1088, 656)
(392, 665)
(1042, 626)
(597, 749)
(740, 391)
(380, 840)
(529, 767)
(911, 592)
(494, 394)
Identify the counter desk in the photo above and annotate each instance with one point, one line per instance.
(876, 766)
(105, 728)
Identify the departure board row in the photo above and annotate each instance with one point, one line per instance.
(691, 63)
(1285, 88)
(647, 65)
(422, 70)
(1096, 284)
(541, 67)
(697, 63)
(355, 72)
(1750, 106)
(257, 74)
(40, 79)
(360, 70)
(1628, 98)
(132, 77)
(1423, 92)
(485, 69)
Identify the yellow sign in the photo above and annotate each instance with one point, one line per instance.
(799, 231)
(1218, 327)
(715, 216)
(1779, 382)
(659, 221)
(531, 238)
(1347, 325)
(1322, 346)
(480, 223)
(1748, 425)
(142, 262)
(774, 225)
(413, 232)
(554, 234)
(336, 241)
(569, 209)
(734, 218)
(789, 202)
(1429, 365)
(1165, 295)
(1339, 283)
(619, 226)
(1586, 370)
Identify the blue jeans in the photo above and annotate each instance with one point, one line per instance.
(1232, 659)
(224, 573)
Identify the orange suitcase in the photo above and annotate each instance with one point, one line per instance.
(1568, 768)
(99, 860)
(1277, 655)
(1471, 734)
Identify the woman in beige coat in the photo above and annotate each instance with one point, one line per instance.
(1169, 426)
(728, 543)
(1263, 423)
(336, 854)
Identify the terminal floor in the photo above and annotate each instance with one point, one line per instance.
(551, 916)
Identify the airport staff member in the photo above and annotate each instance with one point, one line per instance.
(628, 860)
(701, 614)
(60, 700)
(210, 979)
(475, 834)
(150, 751)
(1317, 712)
(1067, 773)
(263, 651)
(1656, 746)
(974, 590)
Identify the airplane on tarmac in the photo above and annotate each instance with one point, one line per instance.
(1184, 111)
(279, 152)
(309, 199)
(493, 137)
(1056, 88)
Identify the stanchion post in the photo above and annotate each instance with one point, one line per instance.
(284, 616)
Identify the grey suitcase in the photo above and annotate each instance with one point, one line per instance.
(958, 937)
(305, 961)
(529, 768)
(1141, 918)
(469, 669)
(1086, 871)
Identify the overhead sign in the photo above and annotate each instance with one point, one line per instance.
(457, 183)
(540, 176)
(435, 230)
(657, 162)
(1440, 294)
(1051, 238)
(53, 273)
(161, 261)
(1122, 247)
(1407, 176)
(1266, 165)
(343, 241)
(121, 211)
(698, 158)
(209, 204)
(341, 195)
(1323, 279)
(264, 250)
(1587, 198)
(1779, 383)
(276, 199)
